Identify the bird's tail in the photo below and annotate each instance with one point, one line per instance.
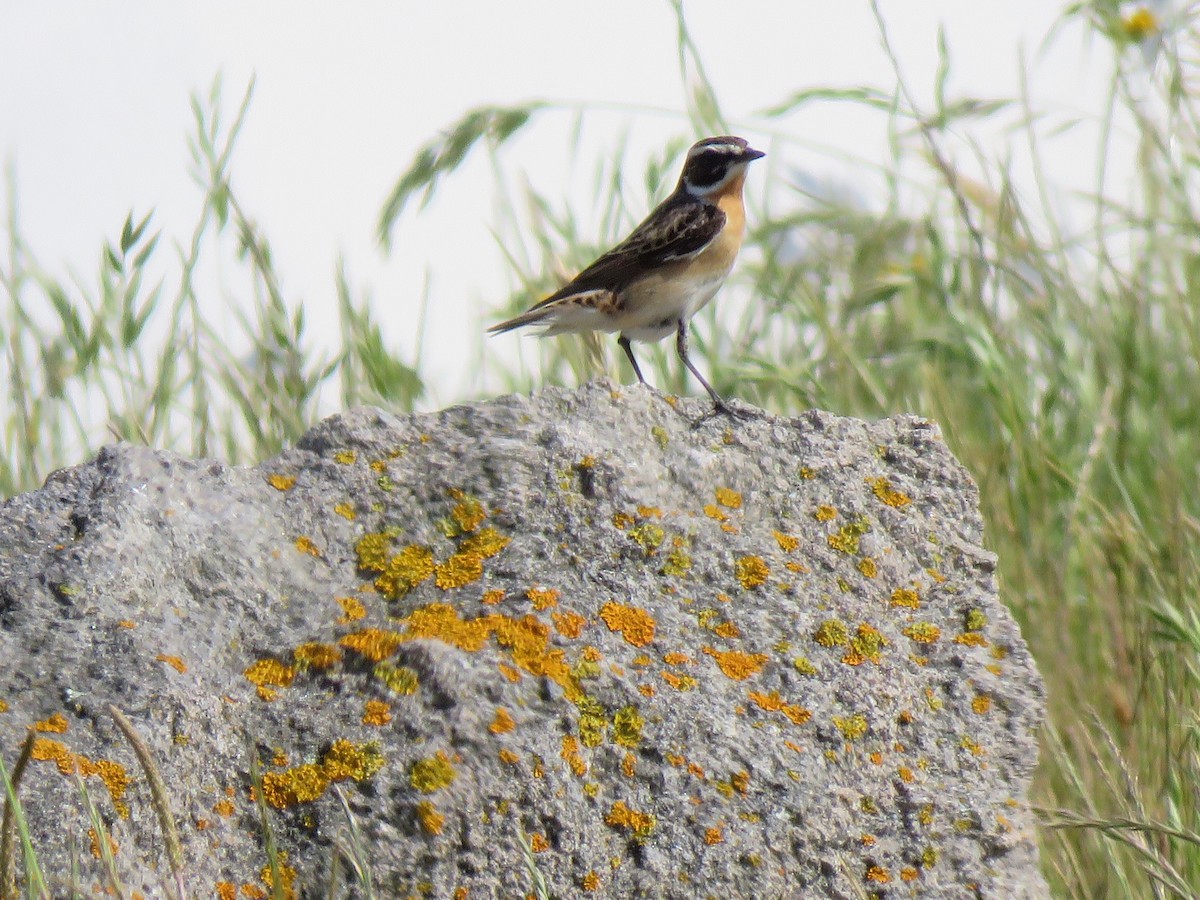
(531, 317)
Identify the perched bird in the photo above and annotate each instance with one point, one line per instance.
(653, 282)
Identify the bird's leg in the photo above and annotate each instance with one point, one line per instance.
(681, 347)
(624, 344)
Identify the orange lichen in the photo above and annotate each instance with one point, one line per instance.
(503, 722)
(772, 702)
(571, 755)
(751, 571)
(373, 643)
(714, 512)
(55, 724)
(543, 599)
(714, 836)
(508, 757)
(281, 482)
(114, 776)
(404, 571)
(494, 597)
(568, 624)
(622, 816)
(97, 852)
(590, 882)
(173, 661)
(679, 682)
(224, 808)
(431, 820)
(982, 704)
(786, 542)
(909, 873)
(735, 664)
(377, 713)
(825, 513)
(485, 544)
(315, 655)
(729, 498)
(971, 639)
(538, 843)
(270, 673)
(305, 545)
(226, 890)
(634, 624)
(878, 874)
(458, 571)
(907, 598)
(677, 659)
(352, 610)
(123, 623)
(305, 783)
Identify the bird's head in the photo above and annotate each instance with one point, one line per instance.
(714, 163)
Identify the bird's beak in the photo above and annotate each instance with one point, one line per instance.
(751, 154)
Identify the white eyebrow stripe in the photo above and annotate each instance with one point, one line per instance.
(723, 147)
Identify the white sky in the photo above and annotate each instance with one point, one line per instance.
(94, 112)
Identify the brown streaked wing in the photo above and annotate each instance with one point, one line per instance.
(675, 230)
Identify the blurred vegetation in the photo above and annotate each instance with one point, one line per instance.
(1061, 361)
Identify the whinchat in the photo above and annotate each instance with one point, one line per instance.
(653, 282)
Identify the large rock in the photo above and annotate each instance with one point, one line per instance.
(687, 658)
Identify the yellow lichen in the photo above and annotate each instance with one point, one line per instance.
(634, 624)
(804, 666)
(981, 704)
(866, 645)
(738, 665)
(432, 773)
(372, 551)
(468, 514)
(627, 726)
(751, 571)
(867, 566)
(976, 619)
(346, 457)
(399, 679)
(852, 727)
(923, 632)
(971, 639)
(846, 539)
(346, 511)
(825, 513)
(281, 482)
(904, 597)
(678, 563)
(832, 633)
(315, 655)
(882, 488)
(729, 498)
(431, 820)
(352, 610)
(714, 512)
(648, 536)
(787, 543)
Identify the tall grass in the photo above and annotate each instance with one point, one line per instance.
(1061, 361)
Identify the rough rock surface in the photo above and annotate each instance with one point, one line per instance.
(755, 658)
